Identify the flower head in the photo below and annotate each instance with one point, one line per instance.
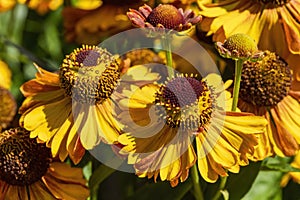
(89, 74)
(273, 24)
(185, 107)
(24, 163)
(163, 16)
(7, 5)
(265, 90)
(265, 82)
(84, 27)
(238, 46)
(73, 110)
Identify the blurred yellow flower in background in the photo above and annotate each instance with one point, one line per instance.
(6, 5)
(274, 25)
(5, 75)
(160, 121)
(92, 26)
(28, 172)
(87, 4)
(8, 108)
(8, 104)
(265, 91)
(42, 6)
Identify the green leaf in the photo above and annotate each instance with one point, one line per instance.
(239, 184)
(266, 186)
(282, 168)
(162, 190)
(99, 175)
(279, 164)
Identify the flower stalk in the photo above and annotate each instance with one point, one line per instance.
(166, 43)
(196, 185)
(237, 83)
(221, 187)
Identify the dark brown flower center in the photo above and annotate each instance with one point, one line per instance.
(274, 2)
(187, 102)
(88, 58)
(89, 74)
(166, 15)
(265, 82)
(182, 91)
(23, 161)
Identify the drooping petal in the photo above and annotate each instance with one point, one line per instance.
(60, 176)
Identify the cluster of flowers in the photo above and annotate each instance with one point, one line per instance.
(161, 127)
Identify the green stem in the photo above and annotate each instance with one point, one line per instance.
(166, 42)
(94, 191)
(237, 82)
(196, 185)
(236, 89)
(221, 187)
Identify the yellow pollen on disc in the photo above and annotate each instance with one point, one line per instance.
(186, 102)
(23, 161)
(265, 82)
(89, 74)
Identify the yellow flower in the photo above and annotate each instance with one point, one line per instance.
(73, 110)
(143, 56)
(5, 75)
(161, 120)
(6, 5)
(42, 6)
(265, 91)
(87, 4)
(274, 25)
(28, 172)
(89, 27)
(8, 108)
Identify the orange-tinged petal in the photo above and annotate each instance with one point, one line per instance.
(60, 176)
(16, 192)
(32, 87)
(41, 99)
(76, 150)
(291, 27)
(39, 191)
(208, 174)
